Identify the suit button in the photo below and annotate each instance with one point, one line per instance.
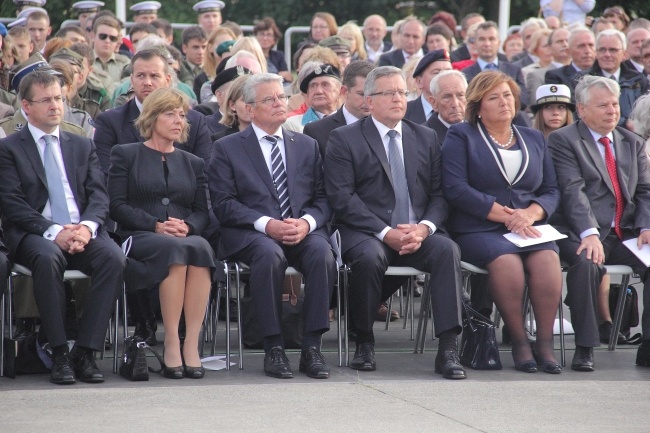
(508, 187)
(165, 201)
(390, 211)
(277, 206)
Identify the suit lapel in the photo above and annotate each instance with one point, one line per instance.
(592, 149)
(68, 160)
(290, 160)
(131, 116)
(254, 152)
(623, 150)
(376, 144)
(29, 147)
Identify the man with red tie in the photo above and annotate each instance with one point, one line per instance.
(604, 176)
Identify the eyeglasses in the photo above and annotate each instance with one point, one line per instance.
(271, 99)
(603, 50)
(48, 101)
(392, 93)
(103, 36)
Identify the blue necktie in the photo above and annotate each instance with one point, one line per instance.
(490, 67)
(401, 212)
(279, 177)
(58, 204)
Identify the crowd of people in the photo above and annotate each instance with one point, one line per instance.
(421, 151)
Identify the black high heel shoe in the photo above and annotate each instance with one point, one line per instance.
(550, 367)
(194, 372)
(529, 366)
(173, 372)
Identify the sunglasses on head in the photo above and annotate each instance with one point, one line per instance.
(103, 36)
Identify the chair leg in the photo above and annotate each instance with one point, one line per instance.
(390, 307)
(2, 334)
(618, 316)
(561, 318)
(346, 308)
(338, 317)
(114, 331)
(239, 328)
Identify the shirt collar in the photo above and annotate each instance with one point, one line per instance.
(597, 136)
(444, 122)
(349, 117)
(482, 63)
(138, 103)
(260, 134)
(418, 53)
(383, 129)
(38, 134)
(426, 106)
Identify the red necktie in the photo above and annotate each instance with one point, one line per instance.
(610, 162)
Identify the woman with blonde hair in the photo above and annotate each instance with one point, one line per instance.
(235, 117)
(352, 33)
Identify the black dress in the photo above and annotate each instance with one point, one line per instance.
(144, 190)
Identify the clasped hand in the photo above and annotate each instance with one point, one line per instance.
(406, 238)
(521, 221)
(73, 238)
(173, 227)
(290, 231)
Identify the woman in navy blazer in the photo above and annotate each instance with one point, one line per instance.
(499, 178)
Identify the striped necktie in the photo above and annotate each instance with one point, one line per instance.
(279, 177)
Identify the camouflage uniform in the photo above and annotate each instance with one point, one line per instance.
(18, 122)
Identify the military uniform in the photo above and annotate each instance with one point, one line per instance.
(80, 118)
(9, 98)
(18, 122)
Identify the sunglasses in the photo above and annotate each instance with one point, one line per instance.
(103, 36)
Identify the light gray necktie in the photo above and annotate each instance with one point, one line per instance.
(401, 212)
(58, 204)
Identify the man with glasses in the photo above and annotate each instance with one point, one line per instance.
(383, 180)
(610, 52)
(53, 221)
(106, 38)
(266, 185)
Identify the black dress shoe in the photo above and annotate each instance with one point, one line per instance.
(173, 372)
(448, 364)
(529, 366)
(276, 364)
(605, 330)
(313, 363)
(194, 372)
(550, 367)
(364, 357)
(146, 331)
(643, 354)
(62, 371)
(85, 368)
(583, 359)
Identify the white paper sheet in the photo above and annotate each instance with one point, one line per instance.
(643, 254)
(548, 234)
(217, 362)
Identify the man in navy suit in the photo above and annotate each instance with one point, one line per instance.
(419, 110)
(582, 47)
(150, 71)
(54, 205)
(267, 191)
(383, 179)
(487, 43)
(412, 38)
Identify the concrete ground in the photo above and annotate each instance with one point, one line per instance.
(403, 395)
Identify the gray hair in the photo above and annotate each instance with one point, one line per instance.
(249, 93)
(612, 32)
(232, 60)
(576, 31)
(382, 71)
(588, 82)
(434, 87)
(640, 116)
(149, 41)
(530, 22)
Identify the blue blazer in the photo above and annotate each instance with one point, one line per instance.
(472, 180)
(507, 68)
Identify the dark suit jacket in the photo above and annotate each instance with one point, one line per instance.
(207, 108)
(359, 184)
(508, 69)
(473, 182)
(564, 75)
(439, 127)
(23, 189)
(321, 129)
(242, 189)
(415, 112)
(212, 122)
(391, 58)
(523, 61)
(138, 188)
(117, 126)
(460, 53)
(587, 192)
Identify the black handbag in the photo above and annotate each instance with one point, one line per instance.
(478, 347)
(291, 322)
(630, 312)
(134, 362)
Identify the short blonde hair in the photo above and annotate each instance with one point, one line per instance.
(481, 85)
(235, 91)
(354, 30)
(158, 102)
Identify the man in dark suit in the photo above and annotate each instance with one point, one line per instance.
(528, 27)
(462, 52)
(150, 71)
(267, 191)
(487, 43)
(391, 212)
(605, 200)
(54, 204)
(448, 101)
(419, 110)
(412, 38)
(355, 108)
(374, 32)
(582, 47)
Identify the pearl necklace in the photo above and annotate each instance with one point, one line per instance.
(508, 143)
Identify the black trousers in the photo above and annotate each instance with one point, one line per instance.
(583, 279)
(368, 261)
(102, 260)
(268, 261)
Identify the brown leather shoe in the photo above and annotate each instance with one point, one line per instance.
(382, 311)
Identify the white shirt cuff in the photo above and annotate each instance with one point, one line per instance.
(429, 224)
(381, 234)
(312, 222)
(52, 232)
(589, 232)
(260, 224)
(93, 226)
